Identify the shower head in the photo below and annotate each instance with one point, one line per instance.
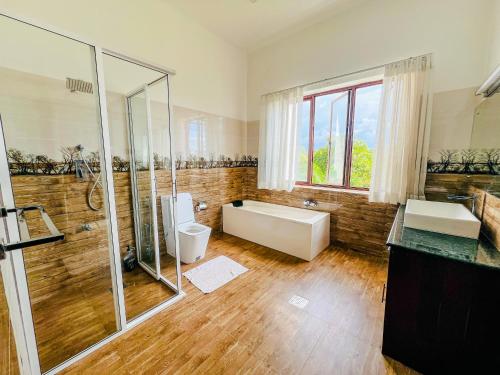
(79, 85)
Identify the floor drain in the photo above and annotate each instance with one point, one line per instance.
(298, 301)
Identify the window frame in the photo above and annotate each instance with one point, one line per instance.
(351, 107)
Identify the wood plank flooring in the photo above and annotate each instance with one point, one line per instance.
(249, 327)
(143, 292)
(8, 356)
(81, 314)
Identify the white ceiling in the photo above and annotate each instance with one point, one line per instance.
(250, 24)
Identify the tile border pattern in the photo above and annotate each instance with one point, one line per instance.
(467, 161)
(21, 163)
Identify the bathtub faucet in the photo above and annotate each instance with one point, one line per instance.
(310, 203)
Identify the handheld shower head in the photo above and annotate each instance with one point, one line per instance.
(83, 170)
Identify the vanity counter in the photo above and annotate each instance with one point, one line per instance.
(480, 252)
(442, 302)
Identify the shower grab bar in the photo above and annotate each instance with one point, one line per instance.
(26, 240)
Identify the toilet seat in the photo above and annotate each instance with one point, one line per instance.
(192, 229)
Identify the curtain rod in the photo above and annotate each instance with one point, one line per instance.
(345, 74)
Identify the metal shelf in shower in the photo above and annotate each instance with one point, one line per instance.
(26, 239)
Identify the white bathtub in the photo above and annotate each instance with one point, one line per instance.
(295, 231)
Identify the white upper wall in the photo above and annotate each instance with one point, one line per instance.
(252, 24)
(457, 32)
(211, 73)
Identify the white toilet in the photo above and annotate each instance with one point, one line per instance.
(193, 237)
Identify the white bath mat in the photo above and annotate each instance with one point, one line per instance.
(215, 273)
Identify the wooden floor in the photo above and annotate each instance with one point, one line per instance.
(79, 315)
(143, 292)
(248, 326)
(8, 357)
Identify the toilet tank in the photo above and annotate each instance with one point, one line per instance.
(185, 212)
(166, 210)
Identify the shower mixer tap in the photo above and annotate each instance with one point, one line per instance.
(86, 227)
(311, 203)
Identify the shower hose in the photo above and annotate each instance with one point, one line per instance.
(96, 182)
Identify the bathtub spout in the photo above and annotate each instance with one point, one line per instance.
(310, 203)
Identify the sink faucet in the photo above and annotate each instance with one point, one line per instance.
(310, 203)
(455, 197)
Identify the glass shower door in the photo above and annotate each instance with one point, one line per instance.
(53, 158)
(144, 172)
(144, 186)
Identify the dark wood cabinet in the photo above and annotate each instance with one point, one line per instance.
(442, 315)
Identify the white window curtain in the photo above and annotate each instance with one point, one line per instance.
(402, 147)
(280, 116)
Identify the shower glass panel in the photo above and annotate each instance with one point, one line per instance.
(162, 138)
(49, 111)
(143, 173)
(138, 105)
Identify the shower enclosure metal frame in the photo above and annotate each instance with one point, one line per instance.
(12, 267)
(154, 272)
(153, 191)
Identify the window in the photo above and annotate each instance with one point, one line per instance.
(196, 138)
(337, 136)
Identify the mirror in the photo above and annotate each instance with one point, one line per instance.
(486, 127)
(485, 140)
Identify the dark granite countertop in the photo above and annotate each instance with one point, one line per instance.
(480, 252)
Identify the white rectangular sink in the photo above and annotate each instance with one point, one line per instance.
(448, 218)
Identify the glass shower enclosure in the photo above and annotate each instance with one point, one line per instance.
(144, 181)
(139, 108)
(85, 153)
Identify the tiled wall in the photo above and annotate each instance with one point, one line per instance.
(253, 138)
(488, 210)
(207, 135)
(439, 185)
(355, 223)
(40, 116)
(216, 187)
